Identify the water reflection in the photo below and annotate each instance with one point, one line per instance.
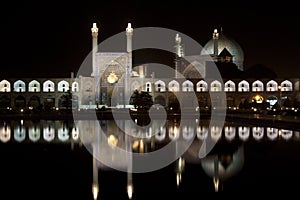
(60, 131)
(222, 162)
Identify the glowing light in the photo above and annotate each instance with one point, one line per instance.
(216, 183)
(174, 133)
(215, 34)
(142, 147)
(112, 78)
(94, 29)
(5, 134)
(129, 29)
(286, 134)
(272, 133)
(112, 141)
(95, 190)
(229, 132)
(258, 98)
(178, 179)
(202, 132)
(129, 191)
(258, 133)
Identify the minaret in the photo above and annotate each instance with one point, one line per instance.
(215, 39)
(179, 53)
(129, 33)
(94, 30)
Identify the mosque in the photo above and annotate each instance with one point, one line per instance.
(114, 78)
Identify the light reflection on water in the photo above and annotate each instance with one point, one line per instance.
(67, 131)
(225, 161)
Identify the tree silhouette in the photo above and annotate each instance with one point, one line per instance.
(141, 100)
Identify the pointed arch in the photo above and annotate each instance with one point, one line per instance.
(229, 86)
(48, 86)
(201, 86)
(19, 86)
(215, 86)
(243, 86)
(187, 86)
(286, 85)
(4, 86)
(272, 86)
(63, 86)
(34, 86)
(75, 86)
(257, 86)
(148, 87)
(173, 86)
(160, 86)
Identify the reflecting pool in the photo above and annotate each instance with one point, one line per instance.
(95, 160)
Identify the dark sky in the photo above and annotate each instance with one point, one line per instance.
(51, 39)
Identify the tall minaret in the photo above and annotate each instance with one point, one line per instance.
(94, 30)
(215, 39)
(129, 33)
(179, 53)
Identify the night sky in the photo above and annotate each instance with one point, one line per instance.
(51, 39)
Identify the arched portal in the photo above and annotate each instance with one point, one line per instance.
(49, 103)
(5, 102)
(160, 100)
(20, 102)
(230, 101)
(34, 102)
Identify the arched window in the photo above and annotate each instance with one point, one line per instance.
(75, 87)
(201, 86)
(173, 86)
(243, 86)
(272, 86)
(148, 87)
(187, 86)
(34, 86)
(19, 86)
(229, 86)
(257, 86)
(286, 85)
(62, 86)
(215, 86)
(48, 86)
(4, 86)
(160, 86)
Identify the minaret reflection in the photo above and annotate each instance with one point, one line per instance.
(128, 147)
(223, 162)
(180, 163)
(95, 184)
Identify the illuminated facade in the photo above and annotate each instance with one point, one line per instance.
(114, 73)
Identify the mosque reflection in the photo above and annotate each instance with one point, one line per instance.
(143, 138)
(219, 150)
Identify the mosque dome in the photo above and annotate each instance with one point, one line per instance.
(230, 44)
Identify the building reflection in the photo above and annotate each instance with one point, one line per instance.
(115, 148)
(58, 131)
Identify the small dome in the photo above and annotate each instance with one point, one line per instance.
(231, 45)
